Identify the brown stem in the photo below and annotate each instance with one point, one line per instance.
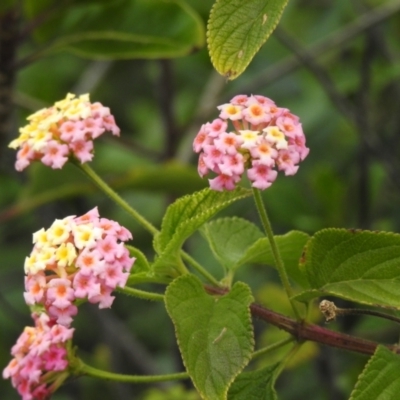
(303, 331)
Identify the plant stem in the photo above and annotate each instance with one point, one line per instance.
(116, 197)
(141, 294)
(199, 268)
(273, 347)
(330, 311)
(303, 331)
(137, 217)
(275, 251)
(288, 357)
(91, 371)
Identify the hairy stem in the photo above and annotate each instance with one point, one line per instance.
(84, 369)
(275, 251)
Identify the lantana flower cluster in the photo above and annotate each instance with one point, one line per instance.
(39, 352)
(66, 129)
(76, 259)
(265, 139)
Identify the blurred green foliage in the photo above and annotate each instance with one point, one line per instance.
(333, 63)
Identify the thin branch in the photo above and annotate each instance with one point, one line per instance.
(307, 59)
(302, 330)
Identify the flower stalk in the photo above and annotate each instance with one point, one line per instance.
(275, 251)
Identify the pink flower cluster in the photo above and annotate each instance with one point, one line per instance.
(68, 128)
(264, 139)
(77, 258)
(39, 352)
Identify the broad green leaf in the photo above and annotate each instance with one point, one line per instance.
(183, 218)
(361, 266)
(380, 379)
(237, 29)
(120, 29)
(215, 335)
(229, 239)
(255, 385)
(291, 247)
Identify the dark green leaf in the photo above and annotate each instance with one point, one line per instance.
(120, 29)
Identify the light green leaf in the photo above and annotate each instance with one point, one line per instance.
(255, 385)
(121, 29)
(361, 266)
(141, 264)
(291, 247)
(229, 239)
(183, 218)
(215, 335)
(380, 379)
(237, 29)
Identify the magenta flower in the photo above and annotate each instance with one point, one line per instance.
(265, 139)
(66, 129)
(39, 350)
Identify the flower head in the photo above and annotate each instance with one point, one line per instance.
(66, 129)
(39, 350)
(76, 258)
(264, 139)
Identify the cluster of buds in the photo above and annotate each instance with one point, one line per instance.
(66, 129)
(39, 355)
(264, 139)
(77, 258)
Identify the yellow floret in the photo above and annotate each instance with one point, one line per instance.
(58, 232)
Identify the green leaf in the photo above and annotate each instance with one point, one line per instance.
(291, 247)
(237, 29)
(229, 239)
(183, 218)
(121, 29)
(361, 266)
(380, 379)
(255, 385)
(141, 264)
(215, 335)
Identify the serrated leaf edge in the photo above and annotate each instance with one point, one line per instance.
(250, 300)
(228, 75)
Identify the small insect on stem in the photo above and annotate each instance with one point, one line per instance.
(219, 337)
